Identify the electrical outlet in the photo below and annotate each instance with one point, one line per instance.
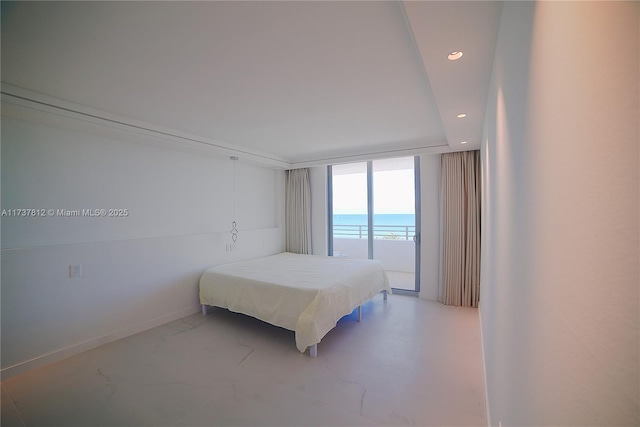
(75, 270)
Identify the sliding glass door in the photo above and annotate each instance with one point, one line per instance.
(350, 231)
(374, 213)
(394, 220)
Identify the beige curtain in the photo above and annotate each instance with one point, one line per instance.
(298, 211)
(460, 228)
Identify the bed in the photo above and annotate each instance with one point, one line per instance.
(307, 294)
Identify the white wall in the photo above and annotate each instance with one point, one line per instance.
(430, 226)
(318, 183)
(138, 271)
(559, 277)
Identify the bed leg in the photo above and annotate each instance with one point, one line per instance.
(313, 350)
(204, 309)
(359, 313)
(384, 295)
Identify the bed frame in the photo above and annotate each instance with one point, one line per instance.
(307, 294)
(313, 349)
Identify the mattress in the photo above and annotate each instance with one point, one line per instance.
(307, 294)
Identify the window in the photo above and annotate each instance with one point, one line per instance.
(374, 214)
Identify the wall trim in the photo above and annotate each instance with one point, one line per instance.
(374, 155)
(25, 104)
(220, 234)
(36, 107)
(45, 359)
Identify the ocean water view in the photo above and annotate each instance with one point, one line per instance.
(385, 226)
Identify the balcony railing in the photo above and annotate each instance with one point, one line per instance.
(387, 232)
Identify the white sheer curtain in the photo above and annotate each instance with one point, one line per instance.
(298, 211)
(460, 228)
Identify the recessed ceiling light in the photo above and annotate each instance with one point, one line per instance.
(464, 142)
(461, 116)
(455, 55)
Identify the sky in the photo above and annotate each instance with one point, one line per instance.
(393, 192)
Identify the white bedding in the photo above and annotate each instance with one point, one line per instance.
(307, 294)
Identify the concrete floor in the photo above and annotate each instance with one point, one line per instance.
(409, 362)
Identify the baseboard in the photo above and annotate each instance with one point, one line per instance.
(484, 373)
(36, 362)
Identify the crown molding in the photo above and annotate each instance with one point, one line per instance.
(36, 107)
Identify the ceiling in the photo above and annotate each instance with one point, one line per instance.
(300, 83)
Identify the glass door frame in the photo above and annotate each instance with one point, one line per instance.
(370, 213)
